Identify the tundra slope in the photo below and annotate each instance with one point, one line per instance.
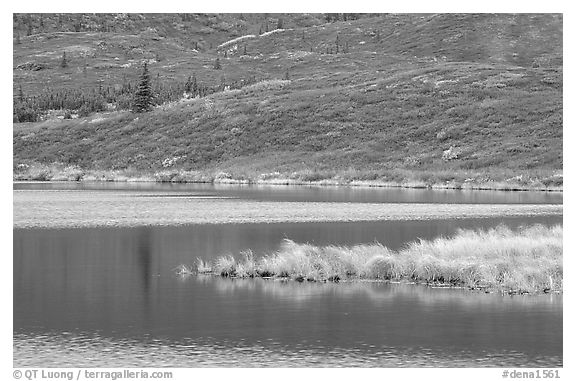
(407, 99)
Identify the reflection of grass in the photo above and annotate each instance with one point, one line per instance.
(376, 292)
(527, 260)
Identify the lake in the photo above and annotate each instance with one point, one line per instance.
(94, 280)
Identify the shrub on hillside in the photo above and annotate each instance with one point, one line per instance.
(23, 113)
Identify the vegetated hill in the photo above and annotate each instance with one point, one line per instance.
(462, 95)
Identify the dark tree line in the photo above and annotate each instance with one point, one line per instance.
(333, 17)
(139, 96)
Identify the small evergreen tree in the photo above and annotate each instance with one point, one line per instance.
(20, 94)
(64, 62)
(143, 96)
(188, 85)
(217, 65)
(194, 84)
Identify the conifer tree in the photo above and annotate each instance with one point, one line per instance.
(64, 62)
(143, 95)
(194, 84)
(217, 64)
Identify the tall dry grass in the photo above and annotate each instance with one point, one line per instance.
(525, 260)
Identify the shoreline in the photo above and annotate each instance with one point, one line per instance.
(495, 179)
(497, 186)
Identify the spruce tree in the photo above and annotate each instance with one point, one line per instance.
(64, 62)
(188, 85)
(194, 85)
(143, 95)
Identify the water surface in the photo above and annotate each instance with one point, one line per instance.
(311, 193)
(109, 296)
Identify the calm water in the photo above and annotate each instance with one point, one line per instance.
(94, 296)
(312, 193)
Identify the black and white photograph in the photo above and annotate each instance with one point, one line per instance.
(286, 190)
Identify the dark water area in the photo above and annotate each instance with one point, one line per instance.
(208, 321)
(312, 193)
(111, 297)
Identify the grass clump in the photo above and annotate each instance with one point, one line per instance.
(203, 267)
(527, 260)
(225, 266)
(184, 270)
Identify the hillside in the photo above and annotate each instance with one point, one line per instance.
(425, 99)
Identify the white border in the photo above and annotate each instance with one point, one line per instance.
(298, 6)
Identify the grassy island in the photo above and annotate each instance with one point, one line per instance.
(527, 260)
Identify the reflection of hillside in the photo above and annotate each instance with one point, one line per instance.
(72, 209)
